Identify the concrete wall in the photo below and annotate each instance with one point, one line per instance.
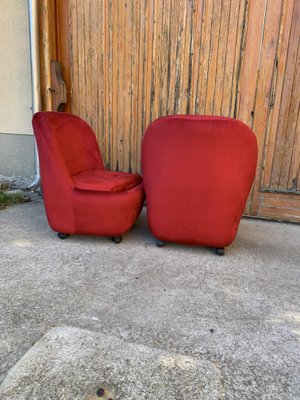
(16, 140)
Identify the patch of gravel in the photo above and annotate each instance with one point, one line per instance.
(19, 182)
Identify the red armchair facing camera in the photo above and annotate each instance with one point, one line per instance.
(81, 197)
(198, 172)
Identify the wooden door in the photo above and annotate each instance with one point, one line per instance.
(128, 62)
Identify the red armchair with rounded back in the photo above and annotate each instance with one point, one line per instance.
(81, 197)
(198, 172)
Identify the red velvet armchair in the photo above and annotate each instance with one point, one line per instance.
(198, 172)
(81, 197)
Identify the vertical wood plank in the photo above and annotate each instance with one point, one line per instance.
(184, 57)
(221, 57)
(134, 82)
(239, 54)
(295, 166)
(129, 59)
(87, 70)
(277, 88)
(173, 66)
(263, 89)
(100, 103)
(251, 61)
(204, 55)
(164, 63)
(282, 133)
(150, 50)
(213, 55)
(230, 54)
(48, 49)
(108, 78)
(115, 85)
(142, 20)
(81, 58)
(288, 172)
(195, 54)
(73, 54)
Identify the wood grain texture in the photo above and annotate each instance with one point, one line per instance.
(132, 61)
(279, 206)
(48, 49)
(289, 101)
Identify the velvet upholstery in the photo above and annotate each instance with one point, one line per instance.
(80, 195)
(197, 171)
(101, 180)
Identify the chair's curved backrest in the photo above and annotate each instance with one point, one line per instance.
(66, 146)
(70, 137)
(198, 171)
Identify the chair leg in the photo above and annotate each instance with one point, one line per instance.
(220, 251)
(160, 243)
(62, 235)
(117, 239)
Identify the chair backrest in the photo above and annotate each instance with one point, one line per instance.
(68, 137)
(66, 146)
(198, 170)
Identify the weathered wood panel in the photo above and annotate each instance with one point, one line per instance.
(132, 61)
(48, 49)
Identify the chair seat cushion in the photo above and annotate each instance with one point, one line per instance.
(101, 180)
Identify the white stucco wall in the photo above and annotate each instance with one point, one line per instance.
(15, 72)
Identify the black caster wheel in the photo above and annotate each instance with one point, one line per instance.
(220, 251)
(160, 243)
(117, 239)
(62, 235)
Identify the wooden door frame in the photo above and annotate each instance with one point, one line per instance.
(53, 34)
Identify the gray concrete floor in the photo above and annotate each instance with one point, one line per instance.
(232, 321)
